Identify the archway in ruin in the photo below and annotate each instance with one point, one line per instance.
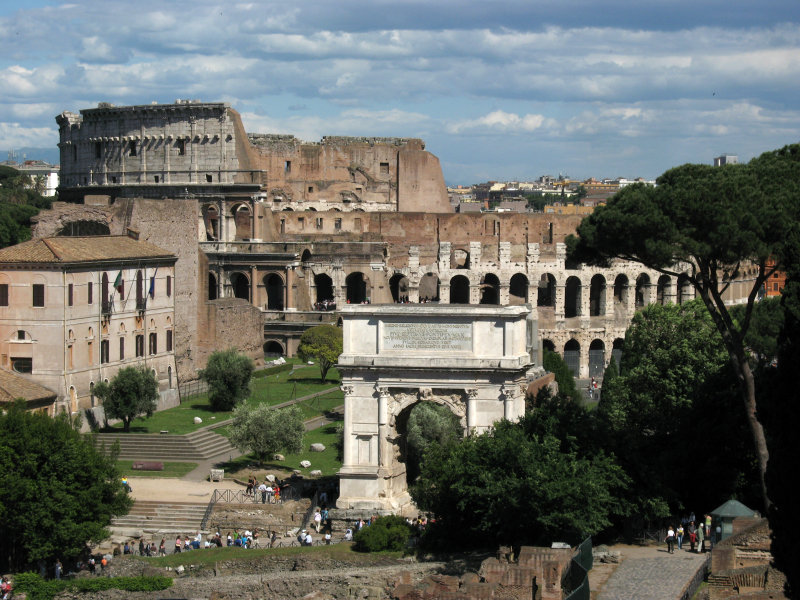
(518, 289)
(273, 283)
(597, 358)
(490, 289)
(398, 285)
(546, 290)
(429, 287)
(459, 290)
(324, 286)
(572, 356)
(662, 289)
(572, 297)
(240, 285)
(597, 296)
(642, 290)
(212, 286)
(356, 286)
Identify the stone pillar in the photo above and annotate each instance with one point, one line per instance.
(583, 309)
(671, 291)
(475, 251)
(504, 254)
(504, 294)
(561, 255)
(254, 296)
(560, 297)
(190, 148)
(472, 409)
(347, 447)
(609, 300)
(650, 293)
(384, 457)
(507, 396)
(474, 293)
(630, 300)
(444, 292)
(444, 257)
(533, 256)
(290, 283)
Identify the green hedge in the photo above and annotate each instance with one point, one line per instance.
(272, 370)
(386, 533)
(44, 589)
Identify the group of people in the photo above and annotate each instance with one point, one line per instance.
(325, 305)
(269, 491)
(687, 530)
(146, 548)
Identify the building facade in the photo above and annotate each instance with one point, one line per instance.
(74, 310)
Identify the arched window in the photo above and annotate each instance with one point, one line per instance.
(572, 300)
(597, 296)
(518, 289)
(490, 289)
(459, 290)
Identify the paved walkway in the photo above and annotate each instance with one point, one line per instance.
(651, 573)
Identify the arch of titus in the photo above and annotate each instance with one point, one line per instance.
(475, 361)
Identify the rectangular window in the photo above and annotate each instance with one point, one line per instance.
(169, 340)
(139, 346)
(122, 348)
(181, 146)
(89, 299)
(384, 168)
(287, 166)
(132, 149)
(90, 353)
(20, 334)
(301, 222)
(169, 286)
(69, 294)
(152, 290)
(3, 294)
(153, 343)
(209, 178)
(337, 224)
(104, 351)
(98, 149)
(319, 222)
(38, 294)
(311, 189)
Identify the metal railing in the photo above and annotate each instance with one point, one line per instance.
(575, 580)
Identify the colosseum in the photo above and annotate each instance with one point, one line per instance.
(273, 233)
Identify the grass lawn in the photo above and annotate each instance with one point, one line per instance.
(209, 557)
(275, 389)
(242, 467)
(171, 469)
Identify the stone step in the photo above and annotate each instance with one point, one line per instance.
(162, 516)
(191, 447)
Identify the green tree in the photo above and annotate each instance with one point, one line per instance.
(228, 376)
(512, 487)
(323, 343)
(428, 423)
(386, 533)
(133, 391)
(553, 363)
(706, 223)
(612, 370)
(264, 430)
(765, 327)
(672, 414)
(57, 492)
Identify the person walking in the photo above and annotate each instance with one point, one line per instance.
(679, 534)
(692, 535)
(670, 539)
(701, 542)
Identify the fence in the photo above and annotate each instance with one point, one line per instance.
(575, 581)
(190, 389)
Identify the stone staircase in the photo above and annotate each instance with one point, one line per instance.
(192, 447)
(160, 517)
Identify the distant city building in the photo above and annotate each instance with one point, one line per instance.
(726, 159)
(38, 168)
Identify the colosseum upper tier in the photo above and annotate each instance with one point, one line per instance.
(273, 233)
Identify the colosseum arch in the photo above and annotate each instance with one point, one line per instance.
(597, 296)
(398, 285)
(213, 289)
(274, 286)
(324, 288)
(546, 290)
(490, 289)
(239, 285)
(572, 356)
(621, 291)
(211, 222)
(84, 228)
(616, 351)
(518, 289)
(597, 358)
(459, 290)
(642, 290)
(685, 289)
(572, 297)
(242, 219)
(356, 286)
(274, 348)
(429, 287)
(459, 259)
(662, 289)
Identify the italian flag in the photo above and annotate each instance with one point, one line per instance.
(118, 282)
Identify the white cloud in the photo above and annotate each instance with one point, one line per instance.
(14, 135)
(499, 121)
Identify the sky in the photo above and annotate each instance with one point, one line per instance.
(499, 90)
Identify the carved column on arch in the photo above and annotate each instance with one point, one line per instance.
(384, 451)
(472, 409)
(347, 449)
(507, 395)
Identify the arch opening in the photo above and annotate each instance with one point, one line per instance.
(356, 286)
(429, 288)
(572, 297)
(459, 290)
(597, 296)
(546, 290)
(490, 289)
(273, 283)
(398, 285)
(572, 356)
(597, 358)
(518, 289)
(240, 286)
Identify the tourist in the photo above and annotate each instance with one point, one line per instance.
(58, 569)
(701, 542)
(141, 547)
(263, 489)
(162, 548)
(5, 588)
(670, 539)
(126, 549)
(177, 545)
(317, 519)
(679, 535)
(348, 535)
(308, 540)
(692, 535)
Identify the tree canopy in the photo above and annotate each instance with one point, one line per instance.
(673, 409)
(709, 224)
(428, 423)
(264, 430)
(519, 483)
(228, 376)
(133, 391)
(323, 343)
(553, 363)
(57, 492)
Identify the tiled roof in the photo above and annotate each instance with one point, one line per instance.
(13, 386)
(80, 249)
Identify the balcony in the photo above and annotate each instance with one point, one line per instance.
(141, 304)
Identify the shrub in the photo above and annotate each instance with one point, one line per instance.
(386, 533)
(37, 588)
